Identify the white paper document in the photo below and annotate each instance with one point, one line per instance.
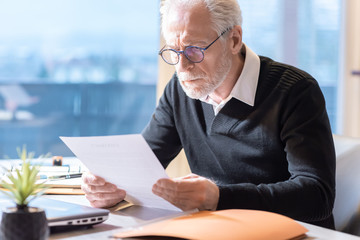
(126, 161)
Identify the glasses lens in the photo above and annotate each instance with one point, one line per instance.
(194, 54)
(170, 56)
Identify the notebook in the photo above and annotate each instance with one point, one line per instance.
(62, 214)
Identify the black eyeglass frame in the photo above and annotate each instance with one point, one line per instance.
(202, 50)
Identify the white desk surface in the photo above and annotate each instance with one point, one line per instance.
(137, 215)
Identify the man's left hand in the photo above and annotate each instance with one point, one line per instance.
(189, 192)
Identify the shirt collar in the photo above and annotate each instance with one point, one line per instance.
(245, 87)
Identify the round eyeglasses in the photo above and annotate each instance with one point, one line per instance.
(192, 53)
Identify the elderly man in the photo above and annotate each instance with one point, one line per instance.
(255, 131)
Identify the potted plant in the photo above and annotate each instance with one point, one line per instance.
(23, 221)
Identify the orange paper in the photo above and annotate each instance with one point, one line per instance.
(224, 224)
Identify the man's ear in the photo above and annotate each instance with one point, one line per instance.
(235, 39)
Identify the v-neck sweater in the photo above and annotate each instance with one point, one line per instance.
(277, 155)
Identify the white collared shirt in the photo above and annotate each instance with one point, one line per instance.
(245, 87)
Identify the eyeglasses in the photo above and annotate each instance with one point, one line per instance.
(192, 53)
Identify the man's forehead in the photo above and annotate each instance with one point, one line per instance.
(187, 25)
(186, 38)
(196, 16)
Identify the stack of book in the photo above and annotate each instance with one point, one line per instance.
(64, 179)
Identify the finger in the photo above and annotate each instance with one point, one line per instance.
(163, 190)
(183, 202)
(190, 176)
(174, 196)
(89, 178)
(167, 186)
(166, 183)
(197, 192)
(104, 203)
(107, 187)
(179, 196)
(192, 184)
(117, 195)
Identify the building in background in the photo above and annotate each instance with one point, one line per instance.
(303, 33)
(92, 66)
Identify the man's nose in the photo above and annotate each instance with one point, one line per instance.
(184, 64)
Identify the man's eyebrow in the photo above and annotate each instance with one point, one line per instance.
(198, 43)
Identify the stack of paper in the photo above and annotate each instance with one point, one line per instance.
(62, 182)
(65, 179)
(64, 186)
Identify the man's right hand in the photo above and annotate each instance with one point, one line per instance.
(101, 194)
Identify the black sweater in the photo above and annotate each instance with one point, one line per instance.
(277, 156)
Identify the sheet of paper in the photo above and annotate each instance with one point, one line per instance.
(124, 160)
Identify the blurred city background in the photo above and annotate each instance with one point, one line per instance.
(87, 68)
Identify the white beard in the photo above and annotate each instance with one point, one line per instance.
(209, 85)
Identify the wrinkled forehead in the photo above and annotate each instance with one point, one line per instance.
(184, 24)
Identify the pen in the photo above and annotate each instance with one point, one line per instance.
(59, 177)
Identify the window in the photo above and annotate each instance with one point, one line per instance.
(303, 33)
(75, 68)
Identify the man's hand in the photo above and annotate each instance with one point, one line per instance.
(188, 192)
(99, 192)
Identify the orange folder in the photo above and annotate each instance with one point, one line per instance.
(224, 224)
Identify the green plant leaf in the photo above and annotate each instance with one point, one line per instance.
(15, 193)
(33, 175)
(14, 180)
(23, 186)
(38, 194)
(8, 194)
(9, 187)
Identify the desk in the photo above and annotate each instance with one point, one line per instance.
(138, 215)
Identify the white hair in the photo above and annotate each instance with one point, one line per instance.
(223, 13)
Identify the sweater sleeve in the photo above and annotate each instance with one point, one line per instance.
(161, 133)
(308, 195)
